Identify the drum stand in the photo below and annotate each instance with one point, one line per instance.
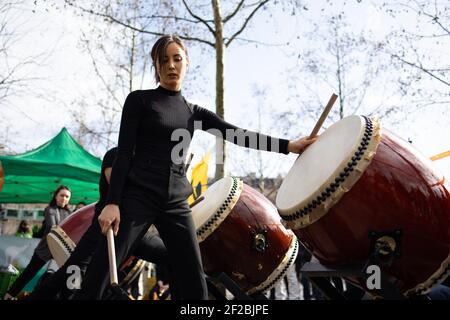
(385, 247)
(319, 275)
(215, 281)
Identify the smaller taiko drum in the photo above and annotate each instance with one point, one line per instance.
(240, 234)
(63, 238)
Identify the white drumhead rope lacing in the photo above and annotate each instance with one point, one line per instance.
(63, 241)
(435, 279)
(226, 207)
(330, 194)
(281, 270)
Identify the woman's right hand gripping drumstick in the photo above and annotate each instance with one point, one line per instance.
(298, 146)
(110, 216)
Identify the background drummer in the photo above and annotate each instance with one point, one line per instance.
(54, 213)
(150, 248)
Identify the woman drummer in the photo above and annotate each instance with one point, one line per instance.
(54, 213)
(148, 182)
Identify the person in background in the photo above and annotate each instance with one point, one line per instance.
(150, 248)
(24, 230)
(161, 289)
(440, 292)
(79, 205)
(57, 210)
(38, 231)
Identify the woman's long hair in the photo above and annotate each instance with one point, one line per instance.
(53, 201)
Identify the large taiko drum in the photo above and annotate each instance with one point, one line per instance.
(240, 234)
(63, 238)
(360, 193)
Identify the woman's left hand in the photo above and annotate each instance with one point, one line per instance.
(298, 146)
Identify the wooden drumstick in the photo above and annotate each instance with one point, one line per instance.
(433, 158)
(322, 118)
(197, 201)
(188, 162)
(114, 280)
(112, 258)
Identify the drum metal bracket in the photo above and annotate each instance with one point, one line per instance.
(385, 246)
(259, 241)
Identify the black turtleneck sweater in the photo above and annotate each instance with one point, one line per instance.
(149, 118)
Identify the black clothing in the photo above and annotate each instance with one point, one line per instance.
(162, 274)
(103, 185)
(163, 204)
(35, 264)
(52, 216)
(150, 117)
(82, 254)
(150, 186)
(151, 248)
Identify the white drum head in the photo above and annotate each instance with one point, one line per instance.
(314, 172)
(60, 245)
(220, 199)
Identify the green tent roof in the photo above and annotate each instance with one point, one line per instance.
(32, 177)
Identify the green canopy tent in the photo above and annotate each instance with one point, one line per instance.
(32, 177)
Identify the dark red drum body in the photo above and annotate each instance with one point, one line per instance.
(241, 235)
(395, 205)
(63, 239)
(78, 222)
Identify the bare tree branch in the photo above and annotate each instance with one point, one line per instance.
(117, 12)
(199, 19)
(98, 73)
(246, 21)
(231, 15)
(17, 71)
(420, 10)
(261, 43)
(176, 18)
(435, 19)
(420, 67)
(155, 33)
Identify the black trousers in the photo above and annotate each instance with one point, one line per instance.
(28, 273)
(154, 194)
(151, 248)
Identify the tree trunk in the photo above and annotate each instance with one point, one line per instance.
(220, 145)
(132, 52)
(339, 76)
